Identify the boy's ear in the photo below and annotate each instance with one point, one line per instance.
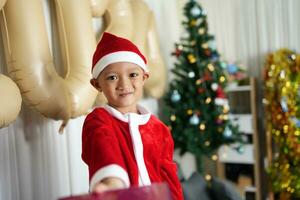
(95, 84)
(145, 76)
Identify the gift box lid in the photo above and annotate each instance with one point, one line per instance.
(153, 192)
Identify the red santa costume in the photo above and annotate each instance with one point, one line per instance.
(136, 148)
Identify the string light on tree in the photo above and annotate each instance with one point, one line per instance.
(173, 118)
(198, 82)
(208, 177)
(207, 143)
(201, 31)
(222, 79)
(211, 67)
(214, 86)
(191, 74)
(202, 127)
(207, 100)
(204, 46)
(214, 157)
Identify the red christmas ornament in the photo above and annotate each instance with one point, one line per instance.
(207, 52)
(219, 121)
(207, 76)
(197, 112)
(177, 52)
(200, 90)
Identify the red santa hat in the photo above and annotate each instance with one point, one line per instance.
(112, 49)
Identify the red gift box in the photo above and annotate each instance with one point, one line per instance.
(153, 192)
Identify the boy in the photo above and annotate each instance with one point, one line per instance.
(122, 143)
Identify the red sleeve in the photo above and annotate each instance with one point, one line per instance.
(100, 147)
(169, 168)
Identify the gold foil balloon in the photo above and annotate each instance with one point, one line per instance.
(10, 102)
(156, 84)
(98, 7)
(30, 63)
(2, 2)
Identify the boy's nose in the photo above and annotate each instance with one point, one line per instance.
(123, 83)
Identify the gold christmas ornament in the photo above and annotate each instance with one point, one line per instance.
(193, 22)
(189, 111)
(191, 58)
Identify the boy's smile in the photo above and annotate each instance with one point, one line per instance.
(122, 84)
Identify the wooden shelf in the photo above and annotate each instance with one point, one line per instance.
(244, 121)
(238, 88)
(227, 154)
(242, 100)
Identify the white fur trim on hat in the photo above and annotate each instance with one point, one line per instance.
(221, 101)
(119, 56)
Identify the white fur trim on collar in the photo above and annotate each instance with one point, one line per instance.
(134, 120)
(140, 119)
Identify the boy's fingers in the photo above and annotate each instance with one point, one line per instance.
(100, 188)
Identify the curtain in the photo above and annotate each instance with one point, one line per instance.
(38, 163)
(246, 31)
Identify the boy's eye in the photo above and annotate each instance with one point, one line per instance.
(134, 74)
(112, 77)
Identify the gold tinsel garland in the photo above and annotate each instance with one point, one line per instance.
(282, 103)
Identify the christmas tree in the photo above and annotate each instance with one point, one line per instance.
(196, 109)
(282, 102)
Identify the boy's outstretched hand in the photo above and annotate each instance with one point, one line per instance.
(108, 184)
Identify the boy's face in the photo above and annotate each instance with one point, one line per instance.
(122, 84)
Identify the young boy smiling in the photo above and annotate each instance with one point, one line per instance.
(122, 143)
